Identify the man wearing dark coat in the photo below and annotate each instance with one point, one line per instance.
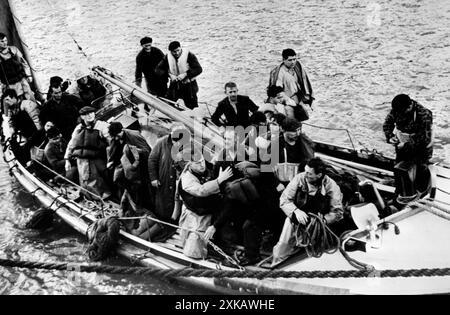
(130, 170)
(62, 109)
(163, 170)
(146, 62)
(236, 108)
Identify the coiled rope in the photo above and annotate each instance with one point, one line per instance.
(215, 273)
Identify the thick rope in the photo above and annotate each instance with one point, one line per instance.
(214, 273)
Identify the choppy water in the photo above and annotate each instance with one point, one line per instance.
(359, 55)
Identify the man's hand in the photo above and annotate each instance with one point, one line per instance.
(301, 216)
(68, 166)
(209, 233)
(173, 77)
(280, 187)
(393, 140)
(182, 76)
(224, 175)
(156, 183)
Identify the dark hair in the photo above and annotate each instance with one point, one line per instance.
(230, 85)
(318, 165)
(400, 103)
(115, 128)
(146, 40)
(9, 92)
(174, 45)
(279, 118)
(53, 132)
(56, 80)
(273, 90)
(257, 118)
(290, 124)
(288, 53)
(2, 35)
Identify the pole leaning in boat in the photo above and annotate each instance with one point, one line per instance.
(196, 127)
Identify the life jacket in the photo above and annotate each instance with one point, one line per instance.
(180, 65)
(11, 70)
(88, 144)
(198, 205)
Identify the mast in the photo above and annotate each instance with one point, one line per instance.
(196, 127)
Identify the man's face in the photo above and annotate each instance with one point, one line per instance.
(311, 176)
(198, 166)
(279, 98)
(290, 61)
(232, 93)
(291, 136)
(176, 53)
(147, 47)
(48, 125)
(229, 140)
(88, 118)
(119, 136)
(57, 94)
(10, 101)
(3, 43)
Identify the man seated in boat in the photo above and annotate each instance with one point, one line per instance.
(164, 167)
(236, 108)
(408, 126)
(128, 154)
(183, 68)
(201, 209)
(295, 149)
(281, 102)
(57, 81)
(89, 90)
(88, 146)
(308, 192)
(62, 109)
(54, 151)
(292, 77)
(14, 70)
(24, 123)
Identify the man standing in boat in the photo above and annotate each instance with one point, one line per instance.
(146, 62)
(183, 68)
(88, 146)
(236, 108)
(14, 70)
(408, 126)
(164, 168)
(292, 77)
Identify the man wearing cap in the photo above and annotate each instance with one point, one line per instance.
(183, 68)
(88, 146)
(408, 126)
(164, 166)
(236, 108)
(128, 154)
(62, 109)
(89, 90)
(146, 61)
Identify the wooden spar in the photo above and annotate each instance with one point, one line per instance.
(196, 127)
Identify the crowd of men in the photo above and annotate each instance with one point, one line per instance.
(229, 198)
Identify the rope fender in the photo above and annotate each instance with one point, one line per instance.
(214, 273)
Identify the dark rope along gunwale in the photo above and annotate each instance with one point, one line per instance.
(215, 273)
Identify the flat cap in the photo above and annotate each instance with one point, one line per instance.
(86, 110)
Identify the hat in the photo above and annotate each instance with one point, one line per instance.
(146, 40)
(115, 128)
(267, 107)
(290, 124)
(52, 132)
(86, 110)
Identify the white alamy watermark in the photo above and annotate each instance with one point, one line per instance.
(373, 17)
(256, 144)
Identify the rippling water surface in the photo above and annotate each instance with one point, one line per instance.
(359, 55)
